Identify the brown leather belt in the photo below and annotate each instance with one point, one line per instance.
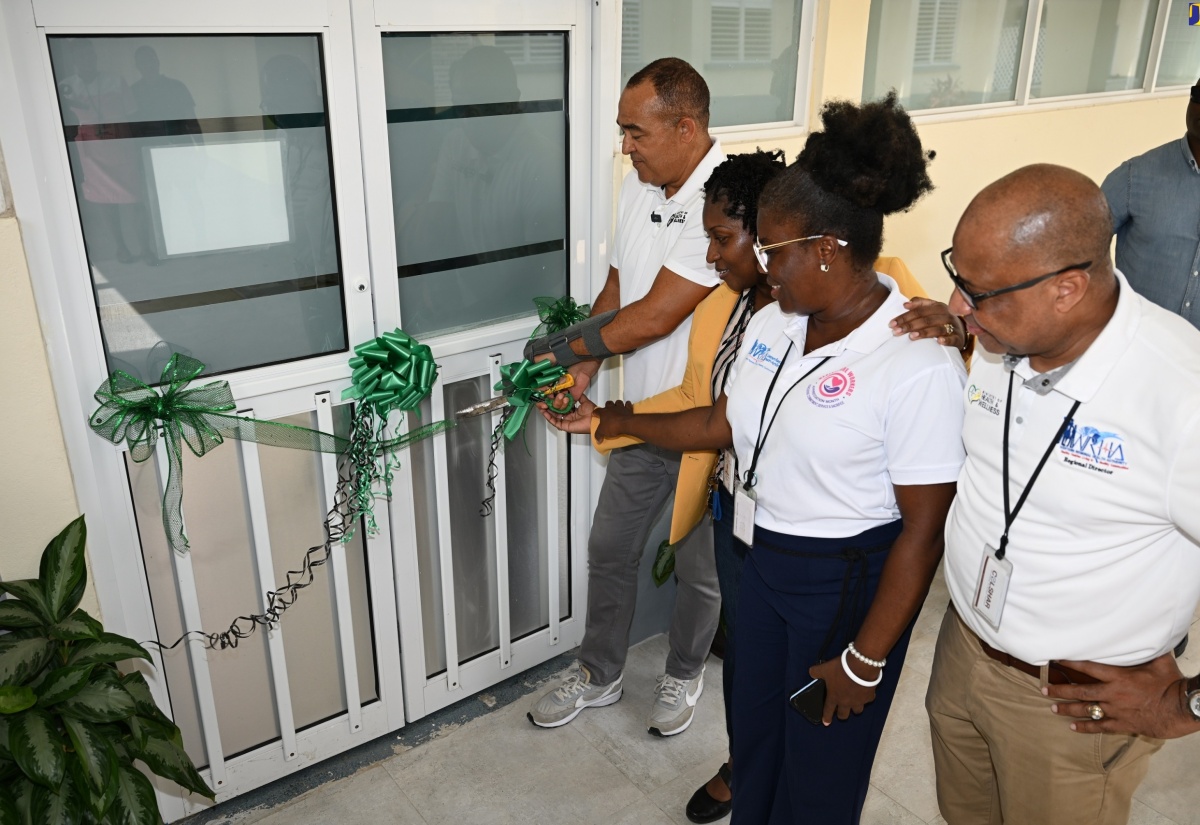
(1056, 673)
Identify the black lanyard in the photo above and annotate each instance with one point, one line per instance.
(762, 436)
(1011, 516)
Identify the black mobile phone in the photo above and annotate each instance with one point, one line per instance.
(809, 701)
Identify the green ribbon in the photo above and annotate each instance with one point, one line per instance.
(558, 313)
(132, 411)
(522, 383)
(391, 372)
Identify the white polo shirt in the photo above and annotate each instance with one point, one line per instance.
(1105, 562)
(641, 247)
(882, 411)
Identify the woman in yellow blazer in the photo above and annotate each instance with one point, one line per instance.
(730, 214)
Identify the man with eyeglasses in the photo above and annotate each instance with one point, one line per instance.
(1071, 548)
(657, 276)
(1155, 202)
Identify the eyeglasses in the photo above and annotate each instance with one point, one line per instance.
(1196, 93)
(760, 252)
(973, 299)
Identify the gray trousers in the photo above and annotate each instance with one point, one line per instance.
(638, 484)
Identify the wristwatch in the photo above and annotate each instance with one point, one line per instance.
(1192, 688)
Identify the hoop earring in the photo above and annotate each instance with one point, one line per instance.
(824, 267)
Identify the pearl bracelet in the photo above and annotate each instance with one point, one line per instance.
(854, 652)
(854, 677)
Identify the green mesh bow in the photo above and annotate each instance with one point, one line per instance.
(133, 412)
(558, 313)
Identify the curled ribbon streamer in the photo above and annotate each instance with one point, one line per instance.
(391, 372)
(522, 384)
(131, 411)
(558, 313)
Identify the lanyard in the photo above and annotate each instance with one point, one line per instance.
(762, 436)
(1011, 515)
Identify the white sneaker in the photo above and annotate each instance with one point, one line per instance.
(562, 704)
(675, 704)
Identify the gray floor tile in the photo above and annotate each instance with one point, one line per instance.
(904, 763)
(642, 812)
(673, 797)
(881, 809)
(1170, 787)
(501, 769)
(366, 798)
(1145, 815)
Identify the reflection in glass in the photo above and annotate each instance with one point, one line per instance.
(1180, 62)
(939, 53)
(477, 136)
(745, 49)
(201, 170)
(1089, 46)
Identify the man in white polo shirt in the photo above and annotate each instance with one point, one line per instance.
(1071, 549)
(657, 276)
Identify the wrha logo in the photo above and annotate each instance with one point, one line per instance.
(1194, 14)
(678, 217)
(833, 389)
(760, 356)
(1093, 449)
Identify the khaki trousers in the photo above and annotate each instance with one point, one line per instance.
(1002, 756)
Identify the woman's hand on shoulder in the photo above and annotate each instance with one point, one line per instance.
(614, 417)
(927, 318)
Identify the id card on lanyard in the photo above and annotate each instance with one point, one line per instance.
(996, 571)
(745, 502)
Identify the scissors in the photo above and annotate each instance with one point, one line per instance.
(500, 401)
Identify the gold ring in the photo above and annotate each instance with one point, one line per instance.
(949, 328)
(1095, 711)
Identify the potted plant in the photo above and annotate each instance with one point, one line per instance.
(71, 723)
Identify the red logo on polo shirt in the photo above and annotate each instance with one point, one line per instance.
(833, 389)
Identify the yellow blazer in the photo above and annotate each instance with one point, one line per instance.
(708, 325)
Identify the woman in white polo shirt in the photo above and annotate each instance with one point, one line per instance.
(848, 450)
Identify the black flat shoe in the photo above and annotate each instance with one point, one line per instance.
(703, 808)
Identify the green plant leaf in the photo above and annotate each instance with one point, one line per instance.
(63, 568)
(63, 683)
(100, 700)
(5, 753)
(16, 614)
(95, 753)
(108, 648)
(135, 803)
(14, 698)
(79, 626)
(59, 807)
(167, 758)
(22, 659)
(8, 811)
(22, 795)
(37, 747)
(30, 591)
(136, 684)
(96, 804)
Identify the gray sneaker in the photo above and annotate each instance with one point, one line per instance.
(675, 704)
(563, 703)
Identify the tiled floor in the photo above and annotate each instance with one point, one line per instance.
(605, 768)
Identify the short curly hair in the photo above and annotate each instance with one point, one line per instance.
(740, 179)
(868, 162)
(680, 89)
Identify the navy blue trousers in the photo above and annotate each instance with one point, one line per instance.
(730, 553)
(787, 771)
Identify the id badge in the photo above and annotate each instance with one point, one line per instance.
(992, 590)
(744, 502)
(729, 470)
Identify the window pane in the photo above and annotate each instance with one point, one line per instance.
(1180, 63)
(938, 53)
(201, 170)
(745, 49)
(477, 131)
(1089, 46)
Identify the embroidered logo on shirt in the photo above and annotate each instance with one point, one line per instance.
(986, 400)
(678, 217)
(760, 356)
(1093, 449)
(833, 389)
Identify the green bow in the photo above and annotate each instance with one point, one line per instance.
(391, 372)
(558, 313)
(131, 411)
(522, 384)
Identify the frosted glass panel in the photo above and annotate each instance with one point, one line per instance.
(1087, 46)
(939, 53)
(1180, 62)
(202, 175)
(477, 132)
(745, 49)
